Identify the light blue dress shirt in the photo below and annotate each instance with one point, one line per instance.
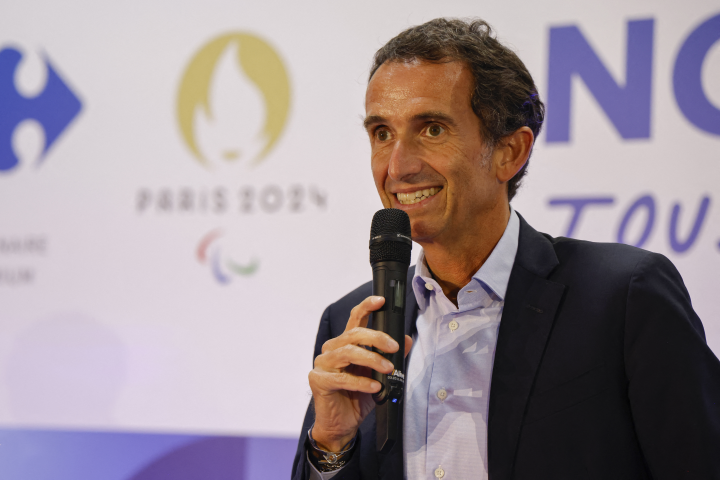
(449, 369)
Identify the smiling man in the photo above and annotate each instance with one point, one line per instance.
(531, 357)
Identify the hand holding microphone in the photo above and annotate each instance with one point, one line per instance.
(390, 246)
(340, 382)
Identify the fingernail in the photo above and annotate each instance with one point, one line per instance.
(393, 344)
(387, 365)
(375, 385)
(378, 298)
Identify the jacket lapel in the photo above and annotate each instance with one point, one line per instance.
(530, 306)
(411, 305)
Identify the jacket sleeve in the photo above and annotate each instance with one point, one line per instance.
(301, 467)
(673, 376)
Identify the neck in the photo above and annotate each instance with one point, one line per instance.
(453, 262)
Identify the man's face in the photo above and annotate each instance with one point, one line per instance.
(426, 138)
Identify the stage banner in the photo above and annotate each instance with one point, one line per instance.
(185, 186)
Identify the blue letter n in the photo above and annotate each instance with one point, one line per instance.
(627, 106)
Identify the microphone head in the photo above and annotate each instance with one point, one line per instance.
(390, 236)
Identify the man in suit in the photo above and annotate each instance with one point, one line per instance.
(532, 357)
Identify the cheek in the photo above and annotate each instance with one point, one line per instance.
(379, 169)
(379, 172)
(452, 163)
(468, 177)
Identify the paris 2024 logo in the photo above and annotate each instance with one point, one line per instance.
(233, 101)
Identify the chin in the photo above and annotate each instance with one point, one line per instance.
(422, 231)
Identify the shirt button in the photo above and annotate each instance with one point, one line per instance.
(439, 472)
(442, 394)
(429, 286)
(453, 326)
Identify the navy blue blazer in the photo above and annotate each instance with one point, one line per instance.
(601, 371)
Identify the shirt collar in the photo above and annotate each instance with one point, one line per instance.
(494, 273)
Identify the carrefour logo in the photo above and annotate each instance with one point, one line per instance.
(53, 109)
(233, 101)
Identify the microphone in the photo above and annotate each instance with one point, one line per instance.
(390, 247)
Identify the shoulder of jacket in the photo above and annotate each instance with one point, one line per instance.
(598, 257)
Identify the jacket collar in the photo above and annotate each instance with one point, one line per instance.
(535, 253)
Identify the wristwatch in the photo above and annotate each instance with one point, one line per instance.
(328, 461)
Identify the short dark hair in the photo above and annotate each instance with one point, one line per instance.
(505, 97)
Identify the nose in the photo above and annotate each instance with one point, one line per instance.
(404, 161)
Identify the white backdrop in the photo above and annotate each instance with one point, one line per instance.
(144, 289)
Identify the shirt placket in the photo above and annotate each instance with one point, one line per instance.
(437, 396)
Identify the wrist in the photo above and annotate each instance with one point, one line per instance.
(325, 460)
(328, 442)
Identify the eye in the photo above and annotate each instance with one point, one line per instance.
(382, 134)
(435, 130)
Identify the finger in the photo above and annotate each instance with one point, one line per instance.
(359, 314)
(338, 359)
(362, 336)
(325, 383)
(408, 344)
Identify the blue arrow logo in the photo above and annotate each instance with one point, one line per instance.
(54, 108)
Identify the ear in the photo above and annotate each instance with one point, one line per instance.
(513, 151)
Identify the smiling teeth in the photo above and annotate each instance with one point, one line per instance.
(418, 196)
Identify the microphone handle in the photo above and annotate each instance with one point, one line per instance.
(389, 281)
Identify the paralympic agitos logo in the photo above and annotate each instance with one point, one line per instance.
(222, 266)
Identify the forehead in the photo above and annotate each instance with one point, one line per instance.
(401, 87)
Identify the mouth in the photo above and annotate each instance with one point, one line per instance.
(417, 196)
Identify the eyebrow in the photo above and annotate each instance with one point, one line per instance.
(424, 116)
(373, 120)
